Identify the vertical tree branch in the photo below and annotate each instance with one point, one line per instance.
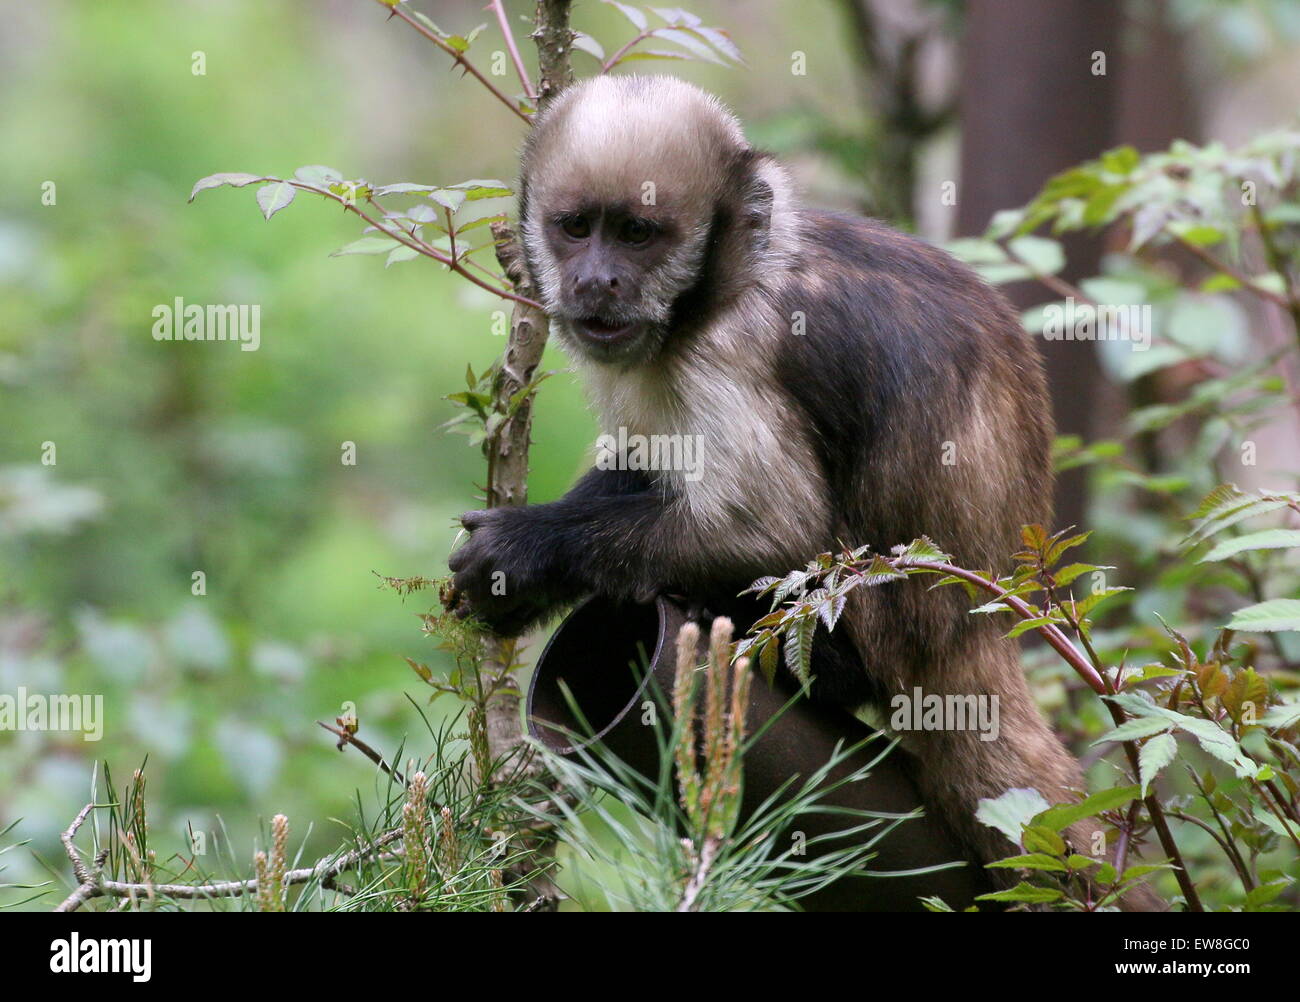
(554, 41)
(507, 449)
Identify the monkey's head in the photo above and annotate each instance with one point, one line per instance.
(643, 208)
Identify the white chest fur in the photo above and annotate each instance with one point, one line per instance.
(748, 473)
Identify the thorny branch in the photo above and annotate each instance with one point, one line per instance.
(459, 57)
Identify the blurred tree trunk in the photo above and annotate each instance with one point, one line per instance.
(1032, 106)
(890, 40)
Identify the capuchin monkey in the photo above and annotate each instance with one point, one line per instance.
(849, 384)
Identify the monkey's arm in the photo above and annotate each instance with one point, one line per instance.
(520, 563)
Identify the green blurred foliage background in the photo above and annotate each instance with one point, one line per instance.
(173, 458)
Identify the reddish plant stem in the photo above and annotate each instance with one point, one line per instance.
(610, 63)
(409, 241)
(1095, 679)
(499, 9)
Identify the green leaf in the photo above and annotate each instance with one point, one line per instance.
(480, 188)
(1220, 744)
(1154, 756)
(1270, 821)
(448, 198)
(798, 648)
(688, 41)
(721, 41)
(1043, 256)
(1061, 817)
(1139, 727)
(922, 549)
(1264, 539)
(1069, 572)
(235, 180)
(793, 582)
(315, 174)
(1267, 617)
(1040, 838)
(1060, 546)
(1199, 235)
(400, 253)
(1100, 206)
(1225, 506)
(1025, 892)
(461, 43)
(1085, 605)
(678, 16)
(1142, 869)
(274, 197)
(1004, 223)
(367, 245)
(639, 54)
(1030, 861)
(1220, 283)
(1010, 812)
(482, 221)
(1264, 893)
(633, 14)
(767, 660)
(1282, 715)
(585, 43)
(424, 214)
(401, 188)
(1030, 624)
(1120, 160)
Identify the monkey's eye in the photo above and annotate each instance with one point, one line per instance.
(576, 227)
(636, 231)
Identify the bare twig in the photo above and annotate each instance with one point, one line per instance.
(1224, 268)
(1049, 631)
(348, 738)
(402, 237)
(78, 864)
(92, 885)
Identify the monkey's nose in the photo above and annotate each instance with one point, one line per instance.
(596, 285)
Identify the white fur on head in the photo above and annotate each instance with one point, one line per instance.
(608, 139)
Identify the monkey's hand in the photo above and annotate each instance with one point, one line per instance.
(501, 573)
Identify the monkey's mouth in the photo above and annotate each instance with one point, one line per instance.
(604, 331)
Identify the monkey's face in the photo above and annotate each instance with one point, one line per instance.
(611, 289)
(620, 189)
